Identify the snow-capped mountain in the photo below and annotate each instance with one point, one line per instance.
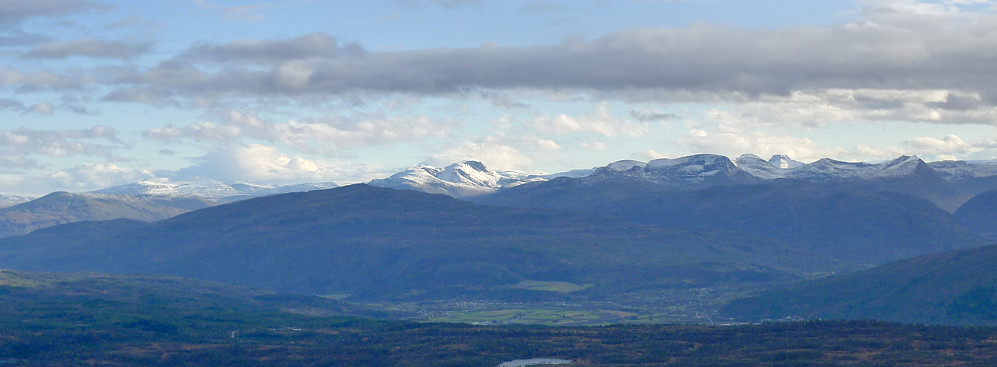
(11, 200)
(206, 188)
(695, 170)
(462, 179)
(963, 170)
(826, 169)
(776, 167)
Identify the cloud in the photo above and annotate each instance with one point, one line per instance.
(699, 61)
(600, 121)
(276, 52)
(13, 12)
(266, 164)
(89, 176)
(728, 134)
(950, 146)
(651, 154)
(87, 47)
(23, 142)
(493, 152)
(37, 80)
(324, 135)
(43, 108)
(11, 105)
(596, 145)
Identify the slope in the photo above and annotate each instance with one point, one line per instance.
(958, 287)
(373, 242)
(63, 207)
(979, 214)
(856, 226)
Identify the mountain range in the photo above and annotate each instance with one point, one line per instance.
(461, 179)
(206, 188)
(377, 243)
(63, 207)
(947, 184)
(144, 201)
(630, 227)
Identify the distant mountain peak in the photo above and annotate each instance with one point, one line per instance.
(460, 179)
(783, 161)
(204, 187)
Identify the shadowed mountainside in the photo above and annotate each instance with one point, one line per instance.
(63, 207)
(980, 214)
(958, 287)
(373, 242)
(856, 225)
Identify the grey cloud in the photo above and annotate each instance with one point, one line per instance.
(697, 60)
(315, 45)
(13, 12)
(18, 37)
(87, 48)
(652, 116)
(958, 103)
(872, 103)
(11, 105)
(24, 142)
(36, 81)
(15, 163)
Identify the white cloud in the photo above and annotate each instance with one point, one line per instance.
(43, 108)
(18, 145)
(87, 177)
(948, 146)
(491, 151)
(326, 135)
(733, 140)
(651, 154)
(596, 145)
(600, 121)
(266, 164)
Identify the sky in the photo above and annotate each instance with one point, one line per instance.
(99, 93)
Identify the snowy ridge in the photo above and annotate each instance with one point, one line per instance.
(678, 172)
(962, 170)
(462, 179)
(826, 169)
(204, 188)
(11, 200)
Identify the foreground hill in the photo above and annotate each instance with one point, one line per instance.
(63, 207)
(372, 242)
(93, 319)
(855, 225)
(957, 287)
